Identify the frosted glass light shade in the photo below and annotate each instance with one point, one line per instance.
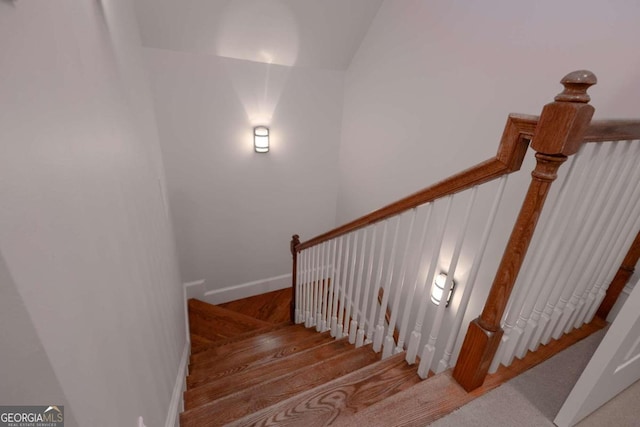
(261, 139)
(437, 290)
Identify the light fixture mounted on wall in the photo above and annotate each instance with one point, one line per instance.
(261, 139)
(437, 290)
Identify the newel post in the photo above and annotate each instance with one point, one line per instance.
(559, 133)
(295, 241)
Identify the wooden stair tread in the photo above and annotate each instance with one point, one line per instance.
(266, 341)
(213, 322)
(342, 397)
(203, 344)
(227, 365)
(271, 307)
(265, 394)
(229, 384)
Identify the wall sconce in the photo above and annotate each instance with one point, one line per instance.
(438, 289)
(261, 139)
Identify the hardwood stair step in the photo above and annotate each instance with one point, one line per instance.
(213, 322)
(199, 343)
(229, 384)
(250, 360)
(268, 341)
(339, 398)
(271, 307)
(203, 344)
(265, 394)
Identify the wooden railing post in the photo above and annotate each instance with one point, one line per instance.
(559, 133)
(295, 241)
(620, 279)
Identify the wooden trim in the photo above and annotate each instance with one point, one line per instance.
(621, 278)
(513, 147)
(613, 130)
(559, 134)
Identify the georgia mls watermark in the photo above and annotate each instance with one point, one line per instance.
(32, 416)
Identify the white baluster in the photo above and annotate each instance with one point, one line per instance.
(343, 292)
(389, 344)
(416, 335)
(314, 287)
(376, 286)
(426, 225)
(331, 281)
(353, 328)
(429, 350)
(352, 270)
(337, 290)
(327, 287)
(379, 335)
(473, 274)
(299, 286)
(321, 285)
(367, 288)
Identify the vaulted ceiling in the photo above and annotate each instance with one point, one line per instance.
(307, 33)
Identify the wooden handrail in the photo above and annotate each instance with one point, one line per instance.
(511, 152)
(612, 130)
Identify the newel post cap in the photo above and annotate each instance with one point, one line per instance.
(563, 123)
(576, 85)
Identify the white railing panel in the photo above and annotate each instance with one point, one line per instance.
(416, 334)
(429, 351)
(591, 225)
(468, 289)
(379, 333)
(389, 343)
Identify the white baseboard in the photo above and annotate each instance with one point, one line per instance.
(176, 405)
(191, 290)
(244, 290)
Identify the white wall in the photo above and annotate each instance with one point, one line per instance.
(235, 210)
(83, 229)
(27, 374)
(429, 90)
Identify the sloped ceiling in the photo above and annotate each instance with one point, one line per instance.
(307, 33)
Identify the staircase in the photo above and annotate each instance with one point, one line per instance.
(247, 371)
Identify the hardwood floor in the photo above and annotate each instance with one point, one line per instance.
(250, 366)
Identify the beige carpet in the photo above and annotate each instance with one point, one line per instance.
(534, 398)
